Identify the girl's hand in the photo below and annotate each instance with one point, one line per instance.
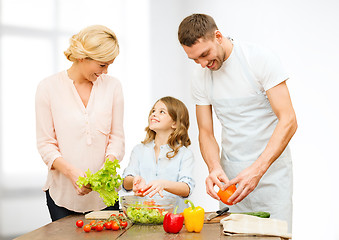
(73, 176)
(139, 185)
(156, 186)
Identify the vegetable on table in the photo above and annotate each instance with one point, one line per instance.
(108, 225)
(112, 223)
(100, 227)
(173, 222)
(105, 181)
(79, 223)
(226, 194)
(115, 226)
(87, 228)
(194, 217)
(123, 224)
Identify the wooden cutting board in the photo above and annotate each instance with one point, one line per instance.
(104, 214)
(216, 219)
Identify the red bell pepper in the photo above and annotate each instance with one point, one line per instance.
(173, 222)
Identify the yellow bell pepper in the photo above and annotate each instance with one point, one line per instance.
(194, 217)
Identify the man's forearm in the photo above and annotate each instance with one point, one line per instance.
(209, 150)
(280, 138)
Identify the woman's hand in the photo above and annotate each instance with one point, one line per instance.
(73, 175)
(139, 185)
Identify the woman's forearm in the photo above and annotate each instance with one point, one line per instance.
(62, 166)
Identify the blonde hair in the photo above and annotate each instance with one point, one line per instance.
(179, 137)
(95, 42)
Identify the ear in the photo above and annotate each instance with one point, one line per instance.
(174, 125)
(218, 36)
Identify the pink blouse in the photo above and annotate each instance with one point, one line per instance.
(83, 136)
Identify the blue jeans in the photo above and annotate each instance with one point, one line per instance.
(57, 212)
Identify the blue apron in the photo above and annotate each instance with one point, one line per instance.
(247, 125)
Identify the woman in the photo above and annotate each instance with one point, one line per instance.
(79, 121)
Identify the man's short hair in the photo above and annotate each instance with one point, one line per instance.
(194, 27)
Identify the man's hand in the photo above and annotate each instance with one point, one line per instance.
(216, 177)
(246, 181)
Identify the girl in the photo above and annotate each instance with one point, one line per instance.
(79, 121)
(162, 163)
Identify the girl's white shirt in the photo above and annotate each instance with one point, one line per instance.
(177, 169)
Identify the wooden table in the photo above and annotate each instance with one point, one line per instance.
(65, 229)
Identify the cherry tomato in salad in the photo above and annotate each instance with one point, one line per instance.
(79, 223)
(225, 195)
(87, 228)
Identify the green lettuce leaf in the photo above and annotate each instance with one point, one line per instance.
(105, 181)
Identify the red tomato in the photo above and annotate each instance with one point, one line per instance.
(87, 228)
(108, 225)
(93, 225)
(113, 215)
(79, 223)
(123, 224)
(120, 215)
(225, 195)
(92, 222)
(115, 226)
(100, 227)
(142, 192)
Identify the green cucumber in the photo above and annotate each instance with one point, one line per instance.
(257, 214)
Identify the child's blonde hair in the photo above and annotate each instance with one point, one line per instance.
(95, 42)
(179, 137)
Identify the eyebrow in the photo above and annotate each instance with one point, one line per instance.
(161, 109)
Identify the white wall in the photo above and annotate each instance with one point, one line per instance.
(303, 33)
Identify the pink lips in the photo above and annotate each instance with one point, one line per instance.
(154, 120)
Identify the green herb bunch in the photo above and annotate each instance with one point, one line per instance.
(105, 181)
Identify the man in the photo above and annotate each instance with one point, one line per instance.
(246, 86)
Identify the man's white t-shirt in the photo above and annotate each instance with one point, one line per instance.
(231, 82)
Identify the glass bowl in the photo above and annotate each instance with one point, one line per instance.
(146, 210)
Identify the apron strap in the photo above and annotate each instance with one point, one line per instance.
(250, 77)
